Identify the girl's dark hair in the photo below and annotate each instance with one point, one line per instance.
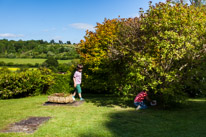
(79, 66)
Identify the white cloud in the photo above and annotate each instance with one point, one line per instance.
(9, 35)
(83, 26)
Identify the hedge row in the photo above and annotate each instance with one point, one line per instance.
(2, 63)
(63, 83)
(32, 82)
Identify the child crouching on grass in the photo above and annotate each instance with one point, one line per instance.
(139, 100)
(77, 78)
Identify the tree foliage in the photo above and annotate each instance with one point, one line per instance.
(155, 52)
(95, 52)
(172, 39)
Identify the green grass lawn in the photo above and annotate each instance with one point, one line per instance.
(29, 60)
(106, 116)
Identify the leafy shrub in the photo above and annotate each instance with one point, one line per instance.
(2, 63)
(28, 83)
(62, 83)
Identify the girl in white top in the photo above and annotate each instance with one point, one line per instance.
(77, 78)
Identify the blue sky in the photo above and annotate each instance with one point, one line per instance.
(65, 20)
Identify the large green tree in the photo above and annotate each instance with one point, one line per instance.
(155, 52)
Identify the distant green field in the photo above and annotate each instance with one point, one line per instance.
(29, 60)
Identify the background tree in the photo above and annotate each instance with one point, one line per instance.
(60, 42)
(51, 63)
(68, 42)
(52, 42)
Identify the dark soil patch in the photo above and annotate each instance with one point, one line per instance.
(28, 126)
(75, 103)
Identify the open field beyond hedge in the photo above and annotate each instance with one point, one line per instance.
(16, 68)
(106, 116)
(28, 60)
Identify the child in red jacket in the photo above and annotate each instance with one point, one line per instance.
(139, 100)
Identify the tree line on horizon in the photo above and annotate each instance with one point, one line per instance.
(37, 49)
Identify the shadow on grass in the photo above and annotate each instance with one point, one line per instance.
(187, 121)
(190, 121)
(108, 100)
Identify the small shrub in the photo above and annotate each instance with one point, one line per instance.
(51, 63)
(2, 63)
(10, 64)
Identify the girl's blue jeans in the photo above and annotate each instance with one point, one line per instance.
(142, 105)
